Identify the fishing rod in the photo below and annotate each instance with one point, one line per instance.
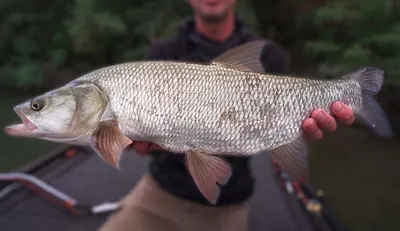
(311, 200)
(50, 193)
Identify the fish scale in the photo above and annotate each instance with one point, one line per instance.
(229, 106)
(182, 110)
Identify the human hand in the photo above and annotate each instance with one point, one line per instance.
(321, 120)
(143, 147)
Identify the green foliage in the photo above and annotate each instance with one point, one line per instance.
(41, 39)
(126, 30)
(31, 41)
(354, 34)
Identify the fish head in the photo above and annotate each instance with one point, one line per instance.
(67, 114)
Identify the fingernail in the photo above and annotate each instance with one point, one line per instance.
(319, 115)
(338, 107)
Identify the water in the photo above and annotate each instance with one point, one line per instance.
(358, 173)
(16, 152)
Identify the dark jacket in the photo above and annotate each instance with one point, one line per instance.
(188, 45)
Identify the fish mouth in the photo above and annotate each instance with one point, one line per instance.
(25, 128)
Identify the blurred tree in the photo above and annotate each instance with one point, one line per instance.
(125, 30)
(42, 41)
(337, 35)
(354, 34)
(31, 40)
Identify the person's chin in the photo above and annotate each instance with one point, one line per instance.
(214, 16)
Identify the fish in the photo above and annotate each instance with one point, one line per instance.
(205, 111)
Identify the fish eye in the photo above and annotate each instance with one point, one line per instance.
(37, 104)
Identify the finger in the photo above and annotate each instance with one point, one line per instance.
(155, 147)
(311, 129)
(141, 148)
(343, 113)
(324, 121)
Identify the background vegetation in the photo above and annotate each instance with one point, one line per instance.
(46, 43)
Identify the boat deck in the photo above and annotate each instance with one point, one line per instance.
(85, 177)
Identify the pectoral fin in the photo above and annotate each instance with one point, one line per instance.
(293, 159)
(207, 171)
(108, 141)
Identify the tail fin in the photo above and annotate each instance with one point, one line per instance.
(371, 113)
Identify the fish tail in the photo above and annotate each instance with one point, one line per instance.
(371, 114)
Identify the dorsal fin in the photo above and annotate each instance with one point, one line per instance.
(245, 56)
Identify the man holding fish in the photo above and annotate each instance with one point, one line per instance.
(167, 198)
(181, 193)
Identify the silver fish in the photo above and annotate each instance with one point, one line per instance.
(229, 106)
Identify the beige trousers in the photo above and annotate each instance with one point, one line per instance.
(149, 208)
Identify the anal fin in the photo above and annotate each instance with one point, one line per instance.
(207, 171)
(108, 142)
(293, 159)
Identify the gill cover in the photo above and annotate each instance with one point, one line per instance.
(67, 114)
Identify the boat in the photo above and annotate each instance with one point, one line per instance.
(71, 188)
